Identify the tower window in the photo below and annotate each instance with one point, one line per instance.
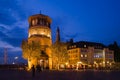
(85, 55)
(81, 55)
(33, 22)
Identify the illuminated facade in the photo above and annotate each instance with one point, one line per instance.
(40, 32)
(90, 54)
(80, 53)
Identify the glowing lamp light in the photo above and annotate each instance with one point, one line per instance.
(108, 62)
(16, 58)
(103, 62)
(79, 62)
(66, 63)
(13, 63)
(42, 33)
(94, 62)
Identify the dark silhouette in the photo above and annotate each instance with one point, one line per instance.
(33, 71)
(38, 67)
(116, 49)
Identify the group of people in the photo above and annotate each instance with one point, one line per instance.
(38, 69)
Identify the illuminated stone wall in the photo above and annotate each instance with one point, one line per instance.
(40, 32)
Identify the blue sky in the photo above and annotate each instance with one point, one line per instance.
(88, 20)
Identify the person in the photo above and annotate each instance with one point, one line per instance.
(38, 67)
(33, 71)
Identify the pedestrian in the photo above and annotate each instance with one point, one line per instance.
(38, 67)
(33, 71)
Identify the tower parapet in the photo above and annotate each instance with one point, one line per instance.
(39, 24)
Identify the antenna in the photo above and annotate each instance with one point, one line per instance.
(5, 56)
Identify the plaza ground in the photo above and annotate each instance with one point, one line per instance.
(60, 75)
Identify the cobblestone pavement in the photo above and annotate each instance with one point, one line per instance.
(59, 75)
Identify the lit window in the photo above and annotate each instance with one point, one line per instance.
(33, 22)
(81, 55)
(84, 45)
(74, 46)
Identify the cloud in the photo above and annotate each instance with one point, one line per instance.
(9, 46)
(13, 35)
(3, 26)
(13, 24)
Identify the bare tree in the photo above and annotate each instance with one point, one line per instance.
(30, 51)
(59, 54)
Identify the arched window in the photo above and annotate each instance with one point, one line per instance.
(33, 22)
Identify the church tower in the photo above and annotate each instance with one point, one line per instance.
(40, 32)
(58, 35)
(39, 29)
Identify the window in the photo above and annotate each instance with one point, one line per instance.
(33, 22)
(74, 46)
(85, 55)
(84, 45)
(81, 55)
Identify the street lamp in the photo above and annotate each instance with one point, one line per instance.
(16, 59)
(78, 65)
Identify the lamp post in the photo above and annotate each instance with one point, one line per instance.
(16, 58)
(66, 65)
(78, 64)
(103, 63)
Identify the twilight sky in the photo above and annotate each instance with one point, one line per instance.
(88, 20)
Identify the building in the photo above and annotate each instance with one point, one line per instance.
(81, 54)
(90, 54)
(40, 32)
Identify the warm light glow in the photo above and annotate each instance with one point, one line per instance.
(42, 33)
(110, 64)
(103, 62)
(66, 63)
(81, 55)
(85, 55)
(107, 61)
(79, 62)
(94, 62)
